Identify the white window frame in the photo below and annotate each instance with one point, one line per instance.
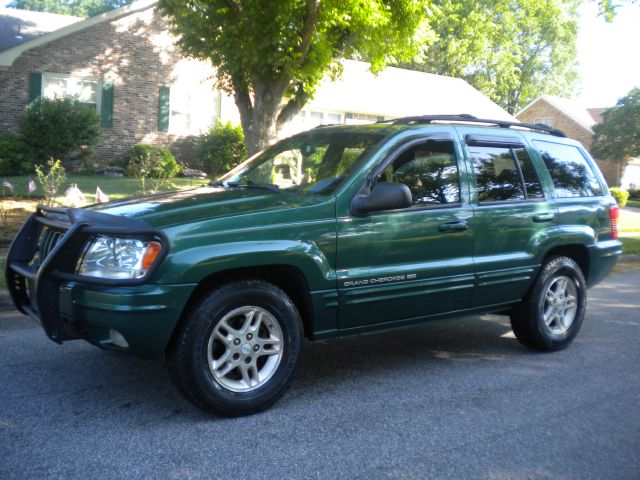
(60, 76)
(548, 121)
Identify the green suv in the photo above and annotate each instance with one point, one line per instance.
(336, 231)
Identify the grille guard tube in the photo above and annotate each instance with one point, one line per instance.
(36, 292)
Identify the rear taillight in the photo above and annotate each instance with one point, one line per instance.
(613, 215)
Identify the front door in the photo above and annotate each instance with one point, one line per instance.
(402, 265)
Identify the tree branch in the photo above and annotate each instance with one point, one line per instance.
(235, 8)
(292, 107)
(310, 21)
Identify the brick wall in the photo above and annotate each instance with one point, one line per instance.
(137, 54)
(560, 121)
(571, 129)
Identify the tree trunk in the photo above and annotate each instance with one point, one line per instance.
(258, 116)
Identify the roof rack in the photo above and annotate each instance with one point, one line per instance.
(466, 118)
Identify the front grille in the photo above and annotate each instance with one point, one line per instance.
(48, 240)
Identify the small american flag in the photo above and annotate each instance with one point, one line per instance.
(7, 184)
(74, 196)
(100, 196)
(32, 185)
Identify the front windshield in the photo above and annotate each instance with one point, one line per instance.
(314, 162)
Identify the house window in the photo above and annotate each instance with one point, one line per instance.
(362, 118)
(306, 119)
(548, 121)
(192, 109)
(86, 90)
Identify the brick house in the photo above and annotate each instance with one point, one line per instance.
(573, 120)
(125, 64)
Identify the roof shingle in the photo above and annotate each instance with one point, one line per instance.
(19, 26)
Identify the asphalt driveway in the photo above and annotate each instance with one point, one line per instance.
(452, 399)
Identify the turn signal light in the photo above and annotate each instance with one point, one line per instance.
(150, 255)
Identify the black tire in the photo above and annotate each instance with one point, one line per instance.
(528, 318)
(189, 358)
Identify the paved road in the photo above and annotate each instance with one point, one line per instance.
(456, 399)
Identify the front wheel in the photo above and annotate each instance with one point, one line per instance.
(552, 312)
(237, 351)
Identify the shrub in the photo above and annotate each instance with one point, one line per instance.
(148, 161)
(55, 128)
(621, 196)
(51, 179)
(16, 157)
(221, 148)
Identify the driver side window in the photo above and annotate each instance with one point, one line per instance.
(430, 171)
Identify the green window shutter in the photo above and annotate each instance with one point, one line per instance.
(163, 109)
(106, 105)
(35, 86)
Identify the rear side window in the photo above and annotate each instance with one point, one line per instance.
(572, 174)
(504, 173)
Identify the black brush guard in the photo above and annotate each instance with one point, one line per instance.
(45, 252)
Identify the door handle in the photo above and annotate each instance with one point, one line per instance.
(543, 217)
(454, 226)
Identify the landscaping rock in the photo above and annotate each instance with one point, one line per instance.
(110, 171)
(191, 173)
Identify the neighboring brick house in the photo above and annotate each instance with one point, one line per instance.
(575, 121)
(125, 63)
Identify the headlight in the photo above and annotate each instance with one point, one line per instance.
(118, 258)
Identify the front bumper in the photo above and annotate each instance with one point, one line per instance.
(42, 282)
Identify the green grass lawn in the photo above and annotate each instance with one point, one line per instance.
(633, 203)
(115, 188)
(630, 245)
(629, 221)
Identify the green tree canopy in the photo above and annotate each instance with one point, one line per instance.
(79, 8)
(272, 54)
(511, 50)
(617, 138)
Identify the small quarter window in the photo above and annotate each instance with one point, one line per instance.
(571, 173)
(532, 186)
(430, 171)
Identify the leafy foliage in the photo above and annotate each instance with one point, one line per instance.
(621, 196)
(79, 8)
(512, 51)
(16, 156)
(58, 127)
(51, 179)
(618, 136)
(221, 148)
(267, 52)
(148, 161)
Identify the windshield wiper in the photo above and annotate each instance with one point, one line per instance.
(251, 184)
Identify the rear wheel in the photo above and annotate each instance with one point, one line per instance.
(237, 351)
(551, 314)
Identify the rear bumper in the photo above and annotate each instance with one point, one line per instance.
(602, 258)
(42, 282)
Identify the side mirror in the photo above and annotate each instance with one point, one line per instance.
(383, 196)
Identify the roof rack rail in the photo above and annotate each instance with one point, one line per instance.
(466, 118)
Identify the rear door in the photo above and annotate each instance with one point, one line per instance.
(511, 215)
(401, 265)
